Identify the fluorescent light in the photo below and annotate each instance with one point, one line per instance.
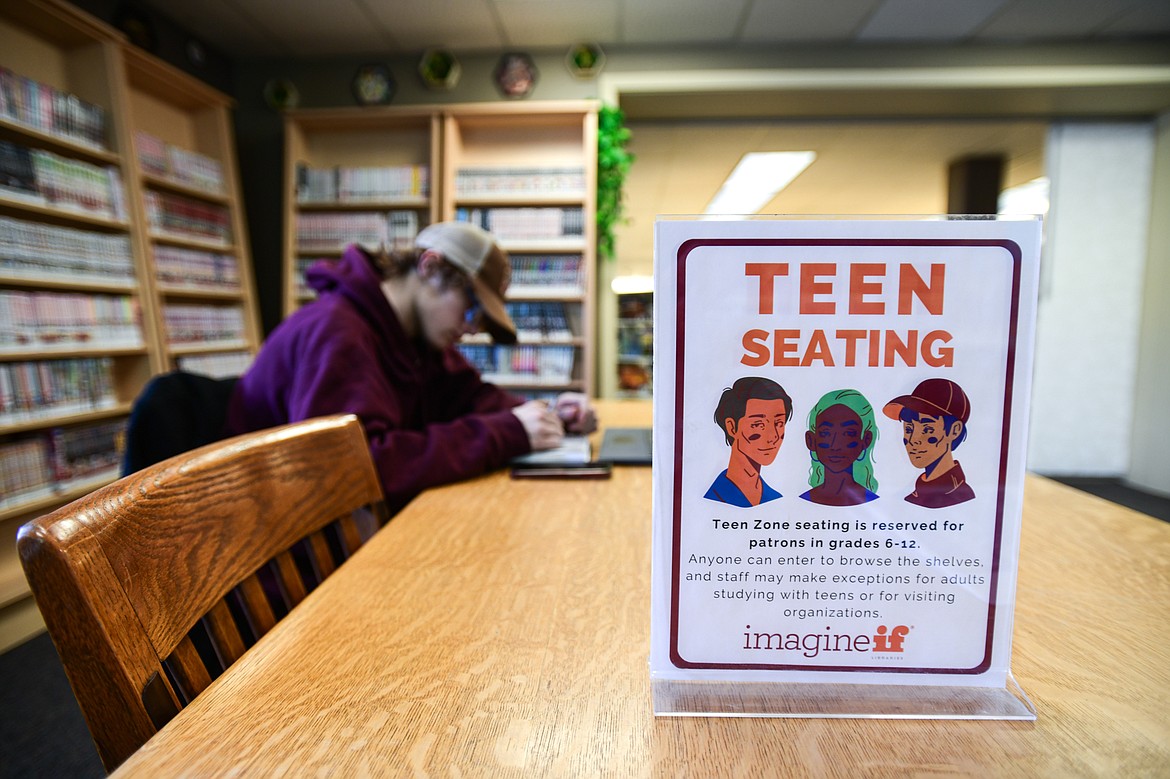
(1028, 198)
(756, 180)
(632, 285)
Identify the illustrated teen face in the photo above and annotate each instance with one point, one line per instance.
(759, 432)
(838, 439)
(447, 307)
(927, 440)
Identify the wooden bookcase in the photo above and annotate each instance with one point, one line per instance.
(511, 167)
(83, 330)
(205, 310)
(332, 142)
(505, 147)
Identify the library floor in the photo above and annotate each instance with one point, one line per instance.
(42, 733)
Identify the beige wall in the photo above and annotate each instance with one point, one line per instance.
(1150, 458)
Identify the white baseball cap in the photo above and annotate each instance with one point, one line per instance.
(475, 252)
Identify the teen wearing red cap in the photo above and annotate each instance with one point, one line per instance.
(934, 423)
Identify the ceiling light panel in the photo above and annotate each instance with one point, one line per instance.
(756, 180)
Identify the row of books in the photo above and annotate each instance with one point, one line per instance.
(527, 224)
(373, 229)
(342, 184)
(182, 267)
(50, 110)
(51, 388)
(44, 320)
(220, 365)
(165, 160)
(188, 323)
(540, 321)
(548, 270)
(547, 364)
(42, 464)
(471, 182)
(178, 215)
(37, 250)
(44, 178)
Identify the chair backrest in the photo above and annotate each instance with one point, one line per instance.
(175, 413)
(152, 585)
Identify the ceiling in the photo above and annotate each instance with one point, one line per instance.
(891, 166)
(312, 28)
(862, 167)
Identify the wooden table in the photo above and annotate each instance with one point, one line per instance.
(500, 628)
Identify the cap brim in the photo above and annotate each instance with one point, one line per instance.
(496, 320)
(893, 409)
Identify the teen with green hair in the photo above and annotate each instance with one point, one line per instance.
(841, 437)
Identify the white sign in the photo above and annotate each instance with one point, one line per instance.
(840, 417)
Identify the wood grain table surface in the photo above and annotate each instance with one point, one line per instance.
(501, 628)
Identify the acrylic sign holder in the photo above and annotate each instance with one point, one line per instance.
(699, 667)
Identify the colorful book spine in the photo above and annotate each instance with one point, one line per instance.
(42, 107)
(41, 176)
(43, 251)
(527, 224)
(182, 166)
(183, 216)
(536, 182)
(342, 184)
(392, 230)
(194, 324)
(43, 389)
(219, 366)
(31, 321)
(192, 268)
(42, 464)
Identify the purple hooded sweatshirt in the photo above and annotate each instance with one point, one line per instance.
(429, 418)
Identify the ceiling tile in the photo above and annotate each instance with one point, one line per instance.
(1039, 19)
(935, 20)
(654, 22)
(336, 27)
(230, 27)
(545, 23)
(461, 25)
(798, 20)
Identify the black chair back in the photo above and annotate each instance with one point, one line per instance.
(175, 413)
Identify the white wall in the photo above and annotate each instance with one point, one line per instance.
(1089, 317)
(1150, 458)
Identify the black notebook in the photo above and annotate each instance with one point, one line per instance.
(626, 446)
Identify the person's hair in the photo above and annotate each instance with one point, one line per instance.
(863, 466)
(733, 401)
(397, 263)
(910, 415)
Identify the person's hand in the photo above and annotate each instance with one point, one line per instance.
(575, 411)
(541, 423)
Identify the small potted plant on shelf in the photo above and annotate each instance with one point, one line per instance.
(439, 69)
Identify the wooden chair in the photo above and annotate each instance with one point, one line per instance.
(154, 584)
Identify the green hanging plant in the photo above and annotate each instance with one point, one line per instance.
(613, 163)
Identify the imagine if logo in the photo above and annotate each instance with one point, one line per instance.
(891, 641)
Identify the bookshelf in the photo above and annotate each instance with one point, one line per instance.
(635, 347)
(81, 305)
(363, 175)
(527, 173)
(189, 206)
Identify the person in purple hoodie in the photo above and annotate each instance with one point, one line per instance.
(379, 342)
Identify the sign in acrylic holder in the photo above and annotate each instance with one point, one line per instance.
(840, 420)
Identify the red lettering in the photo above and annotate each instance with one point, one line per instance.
(767, 272)
(810, 288)
(859, 288)
(911, 284)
